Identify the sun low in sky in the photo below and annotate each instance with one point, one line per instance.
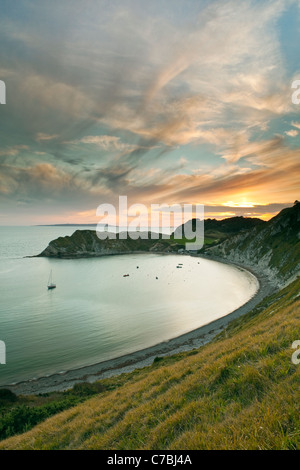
(166, 102)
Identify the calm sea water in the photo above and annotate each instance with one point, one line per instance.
(95, 313)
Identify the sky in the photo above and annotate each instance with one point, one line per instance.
(165, 102)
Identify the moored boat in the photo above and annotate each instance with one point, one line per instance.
(51, 284)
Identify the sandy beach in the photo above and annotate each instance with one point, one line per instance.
(142, 358)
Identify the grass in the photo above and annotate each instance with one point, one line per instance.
(239, 392)
(183, 241)
(20, 413)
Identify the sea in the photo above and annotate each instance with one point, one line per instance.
(95, 313)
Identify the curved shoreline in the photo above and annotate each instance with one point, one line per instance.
(142, 358)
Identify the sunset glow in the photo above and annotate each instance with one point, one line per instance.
(189, 104)
(239, 204)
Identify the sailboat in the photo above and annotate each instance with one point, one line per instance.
(51, 285)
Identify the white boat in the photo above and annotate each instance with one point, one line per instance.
(51, 285)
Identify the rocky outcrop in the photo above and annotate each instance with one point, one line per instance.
(85, 243)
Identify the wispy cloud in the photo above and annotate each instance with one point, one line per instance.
(292, 133)
(296, 124)
(107, 99)
(105, 142)
(40, 137)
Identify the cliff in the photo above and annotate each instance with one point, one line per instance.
(85, 243)
(272, 247)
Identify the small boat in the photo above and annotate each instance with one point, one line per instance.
(51, 285)
(125, 275)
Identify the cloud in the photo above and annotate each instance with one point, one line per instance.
(12, 151)
(111, 98)
(106, 142)
(163, 82)
(292, 133)
(260, 211)
(273, 171)
(296, 124)
(41, 137)
(41, 180)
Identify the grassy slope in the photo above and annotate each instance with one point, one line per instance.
(241, 391)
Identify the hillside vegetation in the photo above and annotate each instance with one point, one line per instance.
(85, 243)
(273, 247)
(219, 230)
(239, 392)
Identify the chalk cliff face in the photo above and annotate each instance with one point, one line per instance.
(85, 243)
(273, 247)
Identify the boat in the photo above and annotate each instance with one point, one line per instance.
(51, 284)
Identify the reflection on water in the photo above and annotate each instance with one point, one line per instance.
(95, 313)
